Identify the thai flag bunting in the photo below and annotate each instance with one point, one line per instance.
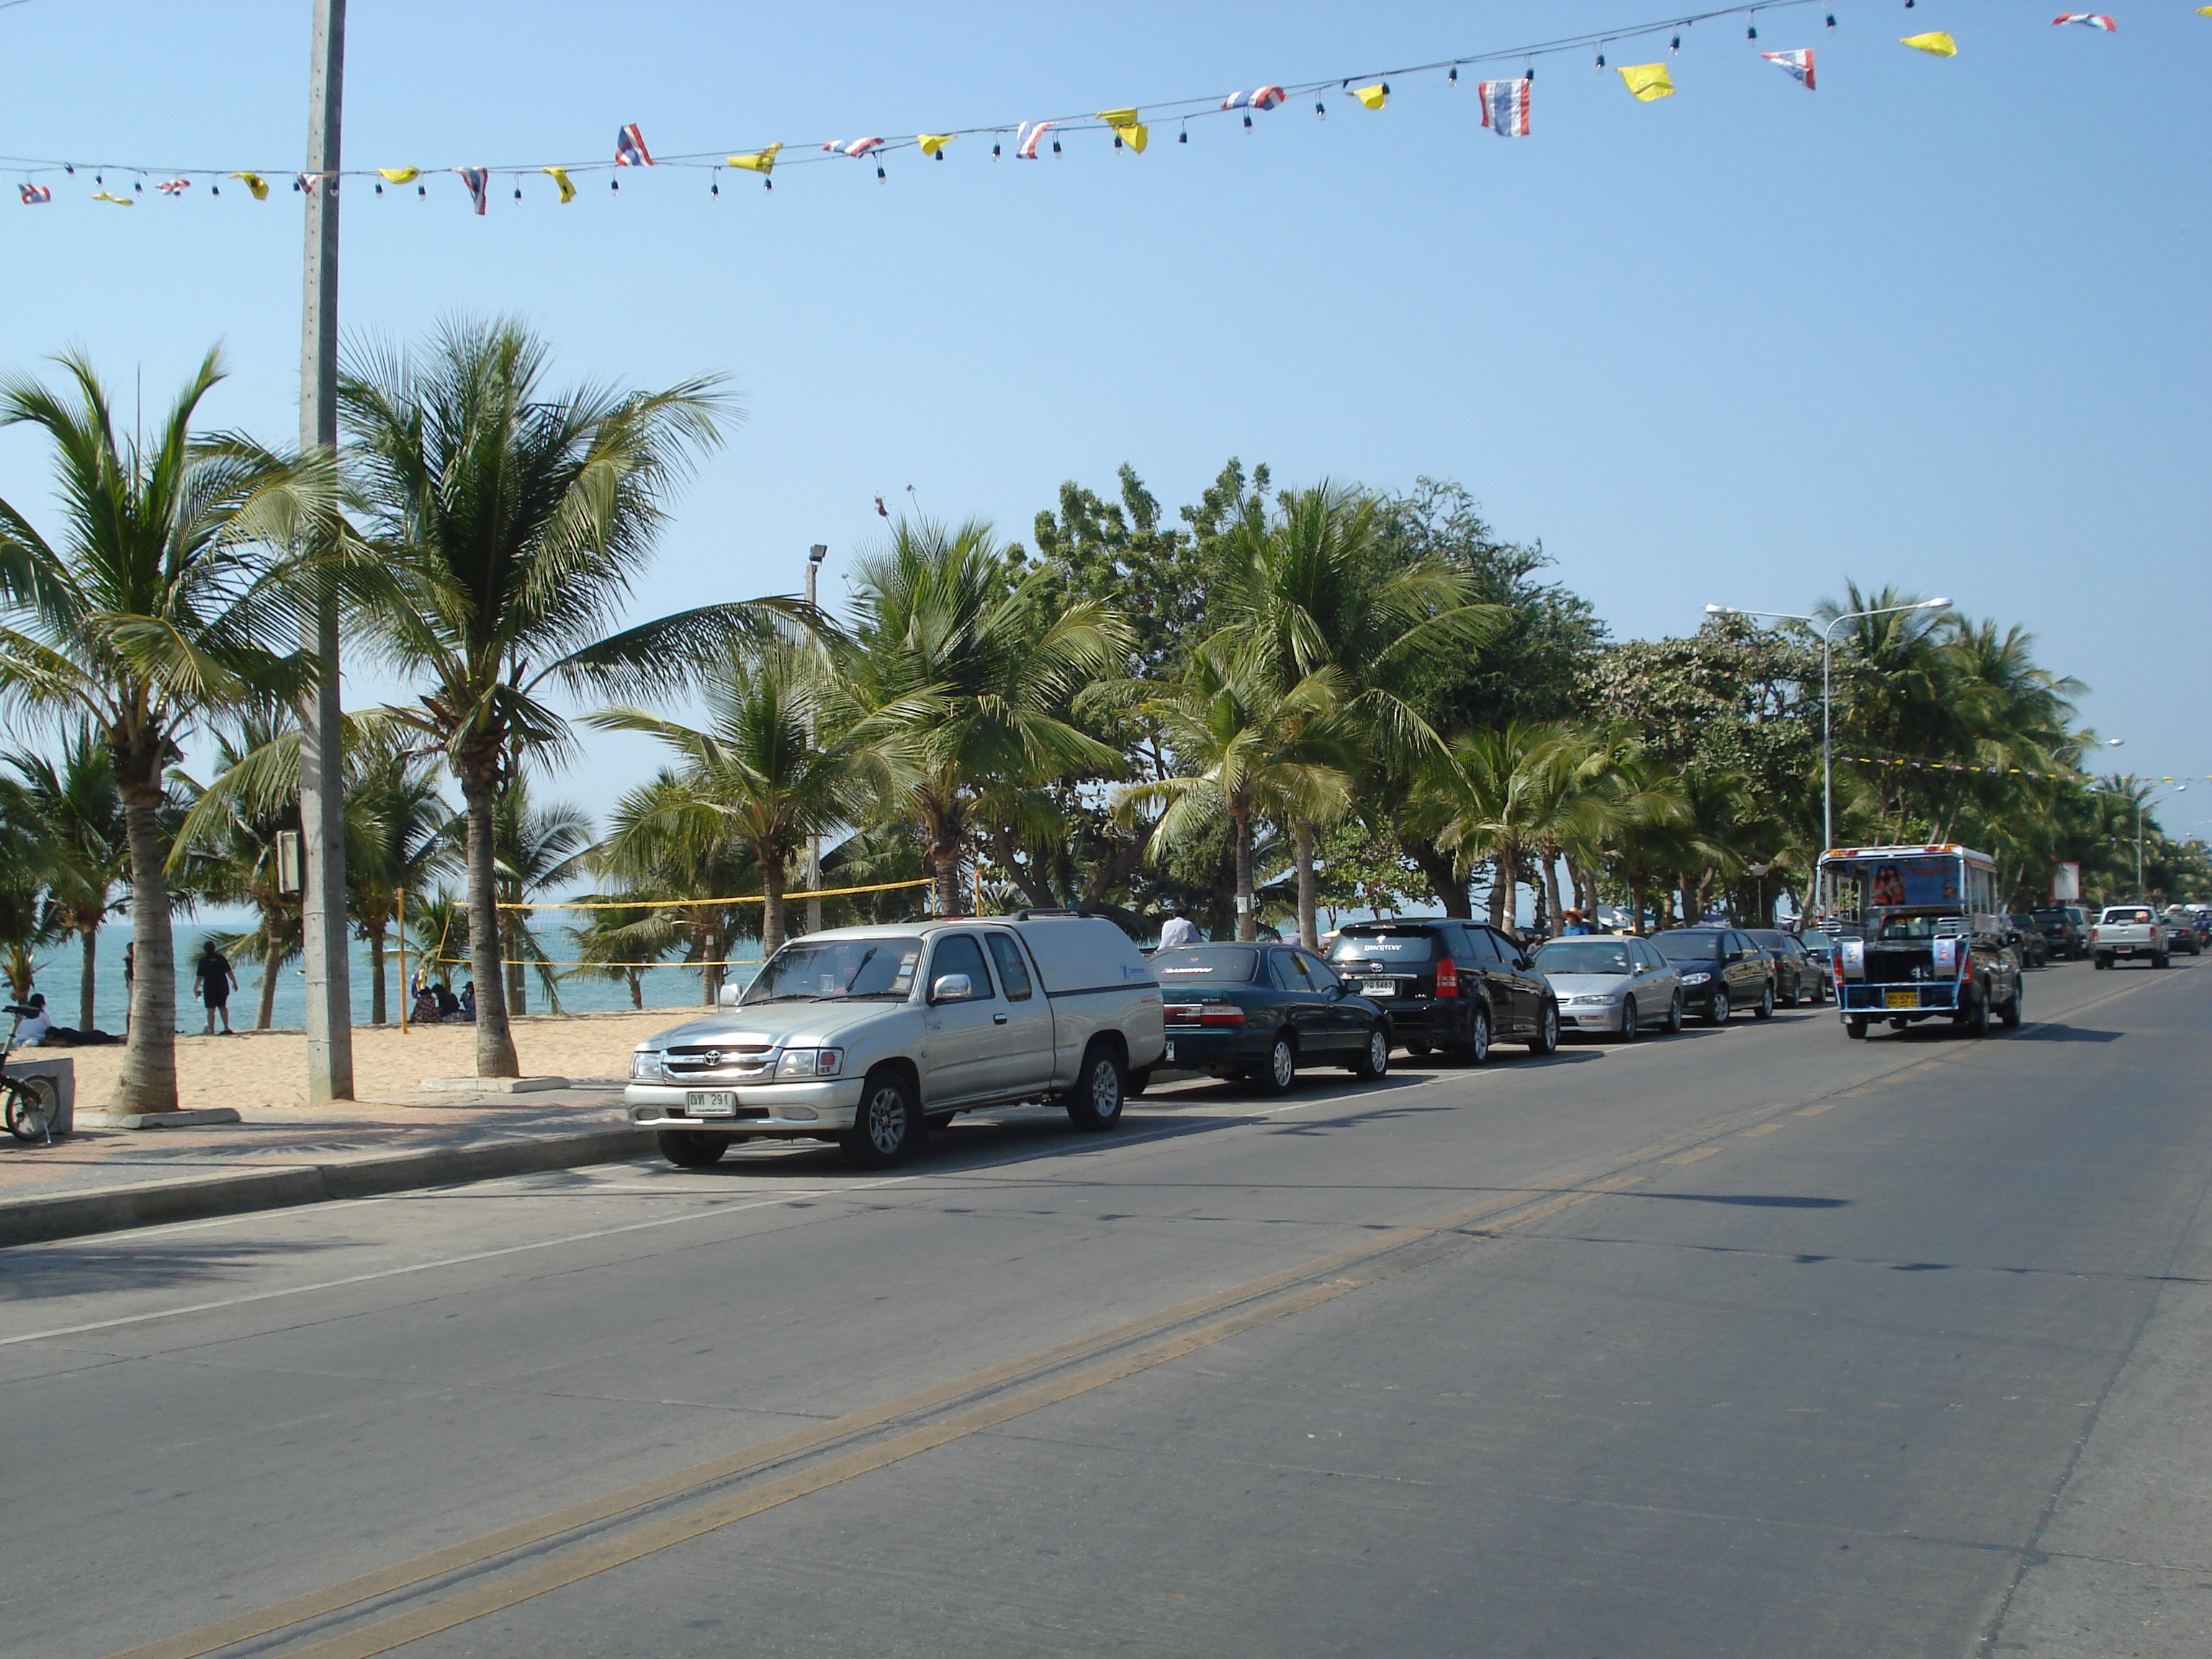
(306, 181)
(1505, 106)
(1265, 98)
(1797, 64)
(1029, 133)
(478, 179)
(173, 186)
(629, 149)
(34, 194)
(857, 148)
(2087, 20)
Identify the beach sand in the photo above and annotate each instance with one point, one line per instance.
(269, 1068)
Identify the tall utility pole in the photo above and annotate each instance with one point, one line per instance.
(815, 555)
(322, 795)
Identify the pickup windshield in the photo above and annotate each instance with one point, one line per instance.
(2123, 916)
(1583, 956)
(827, 970)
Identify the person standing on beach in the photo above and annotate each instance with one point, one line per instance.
(130, 974)
(213, 979)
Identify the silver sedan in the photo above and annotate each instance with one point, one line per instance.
(1612, 984)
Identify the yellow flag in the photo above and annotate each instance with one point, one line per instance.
(1118, 117)
(1136, 135)
(399, 175)
(1935, 43)
(934, 143)
(758, 160)
(1648, 81)
(561, 179)
(254, 182)
(120, 201)
(1374, 96)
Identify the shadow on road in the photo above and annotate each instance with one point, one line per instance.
(2066, 1034)
(82, 1268)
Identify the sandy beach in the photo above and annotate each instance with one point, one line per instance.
(269, 1068)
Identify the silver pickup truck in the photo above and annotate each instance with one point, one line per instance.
(2128, 932)
(870, 1036)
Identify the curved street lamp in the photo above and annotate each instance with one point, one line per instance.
(1827, 642)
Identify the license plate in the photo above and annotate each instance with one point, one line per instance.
(1379, 988)
(711, 1102)
(1169, 1055)
(1901, 999)
(2125, 950)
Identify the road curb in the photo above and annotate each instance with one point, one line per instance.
(147, 1203)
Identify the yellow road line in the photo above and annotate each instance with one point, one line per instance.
(1764, 1129)
(1824, 1106)
(1693, 1157)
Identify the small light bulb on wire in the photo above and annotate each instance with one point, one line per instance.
(1832, 19)
(995, 152)
(1320, 110)
(614, 183)
(1183, 137)
(879, 172)
(1674, 45)
(1601, 57)
(1452, 77)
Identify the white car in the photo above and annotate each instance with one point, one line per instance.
(1613, 985)
(870, 1036)
(2128, 932)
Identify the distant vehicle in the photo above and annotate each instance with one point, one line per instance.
(2029, 948)
(2065, 930)
(1259, 1012)
(1450, 985)
(872, 1036)
(1723, 969)
(2130, 932)
(2187, 933)
(1918, 936)
(1611, 985)
(1798, 977)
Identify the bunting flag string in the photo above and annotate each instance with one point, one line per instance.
(1504, 105)
(2052, 774)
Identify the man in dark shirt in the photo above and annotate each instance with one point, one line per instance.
(213, 979)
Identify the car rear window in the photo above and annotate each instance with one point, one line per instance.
(1226, 964)
(2127, 913)
(1687, 947)
(1393, 945)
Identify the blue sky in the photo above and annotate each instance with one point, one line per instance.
(1940, 324)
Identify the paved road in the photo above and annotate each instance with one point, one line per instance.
(1753, 1341)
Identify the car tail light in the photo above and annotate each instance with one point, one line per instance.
(1220, 1013)
(1448, 978)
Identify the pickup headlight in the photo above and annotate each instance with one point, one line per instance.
(811, 1062)
(645, 1063)
(1697, 976)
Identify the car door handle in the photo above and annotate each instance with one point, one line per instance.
(997, 1019)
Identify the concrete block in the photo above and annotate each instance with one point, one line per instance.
(157, 1120)
(489, 1085)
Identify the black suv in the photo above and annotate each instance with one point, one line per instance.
(1453, 985)
(2062, 930)
(1723, 969)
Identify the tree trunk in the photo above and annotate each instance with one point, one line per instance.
(148, 1082)
(376, 993)
(1551, 913)
(518, 987)
(1248, 917)
(494, 1039)
(942, 826)
(1501, 889)
(1309, 926)
(1445, 880)
(771, 867)
(272, 955)
(1034, 889)
(89, 976)
(636, 989)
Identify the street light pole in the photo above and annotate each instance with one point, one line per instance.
(1827, 700)
(815, 555)
(322, 785)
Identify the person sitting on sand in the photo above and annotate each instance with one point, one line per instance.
(449, 1006)
(425, 1011)
(38, 1030)
(469, 1002)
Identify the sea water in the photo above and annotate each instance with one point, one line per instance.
(59, 966)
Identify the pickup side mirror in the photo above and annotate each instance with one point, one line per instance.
(728, 996)
(951, 988)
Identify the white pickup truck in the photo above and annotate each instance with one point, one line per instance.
(2128, 932)
(871, 1037)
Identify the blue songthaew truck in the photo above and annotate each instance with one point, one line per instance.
(1916, 937)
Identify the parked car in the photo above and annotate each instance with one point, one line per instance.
(1618, 987)
(1822, 950)
(1798, 977)
(2186, 932)
(1723, 969)
(2065, 930)
(2029, 948)
(2128, 932)
(871, 1037)
(1450, 985)
(1259, 1012)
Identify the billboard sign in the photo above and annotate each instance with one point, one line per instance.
(2066, 884)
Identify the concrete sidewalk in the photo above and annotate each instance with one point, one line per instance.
(98, 1180)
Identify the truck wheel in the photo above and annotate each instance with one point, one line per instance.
(1856, 1029)
(2103, 962)
(2010, 1017)
(1977, 1018)
(1276, 1074)
(1374, 1063)
(888, 1125)
(688, 1149)
(2159, 960)
(1095, 1101)
(1765, 1009)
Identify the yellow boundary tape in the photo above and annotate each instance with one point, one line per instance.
(534, 962)
(693, 903)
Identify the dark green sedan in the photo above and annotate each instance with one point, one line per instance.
(1259, 1012)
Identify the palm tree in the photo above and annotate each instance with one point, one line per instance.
(226, 850)
(1247, 749)
(536, 847)
(398, 840)
(756, 771)
(514, 519)
(657, 847)
(1505, 794)
(72, 808)
(620, 942)
(172, 593)
(1310, 587)
(956, 676)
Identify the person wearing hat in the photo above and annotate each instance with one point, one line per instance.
(1573, 923)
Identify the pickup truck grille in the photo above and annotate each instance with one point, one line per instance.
(704, 1059)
